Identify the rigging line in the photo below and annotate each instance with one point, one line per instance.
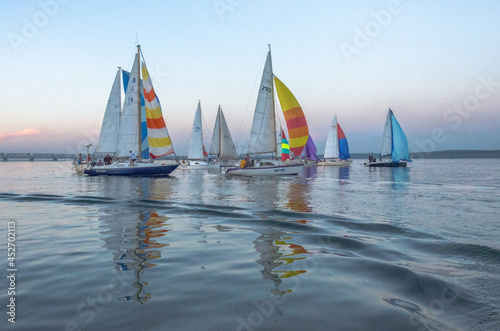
(105, 104)
(259, 75)
(206, 130)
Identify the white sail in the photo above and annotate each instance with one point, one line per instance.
(387, 137)
(263, 134)
(196, 143)
(111, 121)
(222, 143)
(214, 146)
(332, 142)
(128, 136)
(279, 143)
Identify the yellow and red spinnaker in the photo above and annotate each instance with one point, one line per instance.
(298, 131)
(158, 137)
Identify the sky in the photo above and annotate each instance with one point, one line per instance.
(434, 63)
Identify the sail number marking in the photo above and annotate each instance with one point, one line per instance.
(265, 89)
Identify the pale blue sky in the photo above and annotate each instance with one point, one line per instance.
(435, 63)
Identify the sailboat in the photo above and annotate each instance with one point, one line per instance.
(336, 149)
(197, 157)
(394, 145)
(222, 146)
(263, 135)
(128, 136)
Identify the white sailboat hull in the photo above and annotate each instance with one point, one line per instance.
(193, 165)
(335, 163)
(79, 168)
(265, 170)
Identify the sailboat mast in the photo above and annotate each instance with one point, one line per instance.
(139, 98)
(220, 132)
(201, 132)
(272, 102)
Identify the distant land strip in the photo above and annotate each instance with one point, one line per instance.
(448, 154)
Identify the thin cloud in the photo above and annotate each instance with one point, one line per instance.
(25, 132)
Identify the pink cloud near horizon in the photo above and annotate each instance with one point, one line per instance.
(25, 132)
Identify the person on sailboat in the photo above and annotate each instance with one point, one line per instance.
(80, 159)
(107, 160)
(132, 158)
(245, 162)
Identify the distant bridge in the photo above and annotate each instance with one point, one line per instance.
(36, 157)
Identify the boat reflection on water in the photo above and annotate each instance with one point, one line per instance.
(344, 173)
(309, 172)
(397, 176)
(131, 236)
(298, 193)
(400, 178)
(277, 255)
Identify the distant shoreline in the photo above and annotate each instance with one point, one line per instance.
(446, 154)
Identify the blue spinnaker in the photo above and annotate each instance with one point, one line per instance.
(400, 150)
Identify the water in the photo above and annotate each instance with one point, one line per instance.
(332, 249)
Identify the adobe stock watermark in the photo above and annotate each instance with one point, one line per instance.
(456, 114)
(436, 307)
(88, 309)
(157, 75)
(31, 26)
(222, 7)
(81, 146)
(372, 29)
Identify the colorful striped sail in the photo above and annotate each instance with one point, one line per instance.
(158, 137)
(301, 143)
(285, 148)
(343, 146)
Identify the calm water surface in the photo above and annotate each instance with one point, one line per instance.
(332, 249)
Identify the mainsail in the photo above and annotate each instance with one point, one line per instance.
(222, 143)
(263, 134)
(111, 121)
(387, 136)
(158, 137)
(196, 149)
(128, 134)
(336, 143)
(332, 141)
(394, 140)
(144, 126)
(301, 143)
